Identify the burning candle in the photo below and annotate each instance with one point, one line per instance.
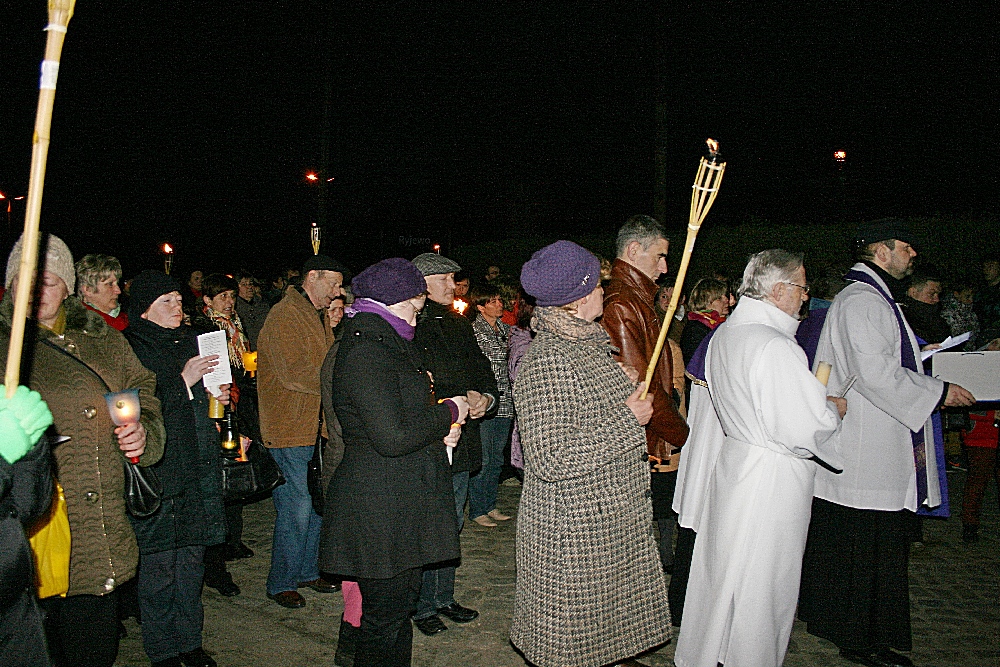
(314, 238)
(124, 408)
(168, 258)
(459, 306)
(250, 362)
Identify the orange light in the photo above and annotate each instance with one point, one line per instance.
(459, 306)
(167, 249)
(312, 176)
(437, 248)
(840, 156)
(2, 196)
(713, 146)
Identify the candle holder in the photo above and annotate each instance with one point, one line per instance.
(314, 238)
(124, 409)
(168, 258)
(250, 362)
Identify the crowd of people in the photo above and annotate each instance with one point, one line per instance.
(786, 448)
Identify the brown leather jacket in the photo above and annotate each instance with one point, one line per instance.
(632, 323)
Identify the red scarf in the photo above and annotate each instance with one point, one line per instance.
(710, 318)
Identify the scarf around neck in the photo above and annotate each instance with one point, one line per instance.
(555, 320)
(363, 305)
(710, 318)
(237, 340)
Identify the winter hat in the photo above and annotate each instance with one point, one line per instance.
(53, 256)
(389, 281)
(874, 231)
(561, 273)
(432, 264)
(324, 263)
(146, 288)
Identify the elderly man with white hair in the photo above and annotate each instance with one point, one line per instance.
(779, 426)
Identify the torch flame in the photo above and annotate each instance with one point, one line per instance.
(713, 146)
(167, 248)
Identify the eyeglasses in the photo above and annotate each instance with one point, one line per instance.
(804, 288)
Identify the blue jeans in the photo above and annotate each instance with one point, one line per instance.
(295, 546)
(438, 587)
(483, 487)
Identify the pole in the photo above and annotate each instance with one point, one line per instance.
(60, 12)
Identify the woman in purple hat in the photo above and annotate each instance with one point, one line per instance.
(390, 507)
(590, 588)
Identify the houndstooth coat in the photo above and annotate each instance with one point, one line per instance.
(590, 588)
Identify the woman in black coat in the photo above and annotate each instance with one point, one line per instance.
(390, 506)
(172, 541)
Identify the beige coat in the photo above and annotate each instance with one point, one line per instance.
(89, 465)
(290, 352)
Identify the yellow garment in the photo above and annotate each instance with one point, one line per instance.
(59, 326)
(50, 543)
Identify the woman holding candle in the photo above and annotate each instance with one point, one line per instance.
(76, 359)
(390, 507)
(172, 542)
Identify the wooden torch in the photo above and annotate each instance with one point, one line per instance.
(60, 12)
(703, 192)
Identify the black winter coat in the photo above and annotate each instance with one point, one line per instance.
(191, 468)
(390, 505)
(25, 495)
(450, 352)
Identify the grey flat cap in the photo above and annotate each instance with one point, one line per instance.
(431, 264)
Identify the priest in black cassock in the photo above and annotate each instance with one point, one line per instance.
(855, 588)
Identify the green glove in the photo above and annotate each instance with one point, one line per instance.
(23, 419)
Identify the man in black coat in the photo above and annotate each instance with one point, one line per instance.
(452, 355)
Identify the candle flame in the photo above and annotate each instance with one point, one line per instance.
(840, 156)
(713, 146)
(459, 306)
(167, 248)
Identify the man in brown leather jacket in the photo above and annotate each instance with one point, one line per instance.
(631, 321)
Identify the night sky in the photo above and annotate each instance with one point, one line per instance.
(195, 123)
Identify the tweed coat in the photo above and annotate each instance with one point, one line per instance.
(390, 505)
(590, 588)
(90, 465)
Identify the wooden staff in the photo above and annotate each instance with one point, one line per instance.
(60, 12)
(704, 190)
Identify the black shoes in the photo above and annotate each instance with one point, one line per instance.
(881, 658)
(458, 613)
(197, 658)
(321, 585)
(430, 626)
(223, 582)
(289, 599)
(238, 551)
(347, 642)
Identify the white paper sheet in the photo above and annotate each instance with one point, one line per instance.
(946, 344)
(979, 372)
(211, 343)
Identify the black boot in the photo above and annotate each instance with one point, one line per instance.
(346, 643)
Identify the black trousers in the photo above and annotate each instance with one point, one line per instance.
(82, 630)
(677, 592)
(386, 638)
(855, 585)
(22, 639)
(661, 486)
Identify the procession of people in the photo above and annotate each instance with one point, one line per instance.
(793, 478)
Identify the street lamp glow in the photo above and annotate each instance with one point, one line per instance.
(312, 176)
(840, 156)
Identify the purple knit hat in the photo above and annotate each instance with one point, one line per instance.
(561, 273)
(389, 281)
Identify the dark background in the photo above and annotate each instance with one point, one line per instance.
(194, 123)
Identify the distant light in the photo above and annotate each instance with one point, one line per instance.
(312, 176)
(840, 156)
(2, 196)
(437, 248)
(167, 248)
(330, 180)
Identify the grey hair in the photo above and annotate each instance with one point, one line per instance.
(93, 268)
(766, 269)
(641, 228)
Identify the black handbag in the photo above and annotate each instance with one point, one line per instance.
(250, 480)
(142, 490)
(314, 471)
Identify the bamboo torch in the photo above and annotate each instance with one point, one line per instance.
(703, 192)
(60, 12)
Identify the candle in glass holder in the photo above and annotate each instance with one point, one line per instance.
(124, 409)
(314, 238)
(250, 362)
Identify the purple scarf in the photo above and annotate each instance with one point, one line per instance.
(908, 361)
(401, 326)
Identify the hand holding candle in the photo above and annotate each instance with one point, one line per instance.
(125, 412)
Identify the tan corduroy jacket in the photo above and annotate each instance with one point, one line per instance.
(291, 348)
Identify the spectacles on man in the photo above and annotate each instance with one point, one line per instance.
(804, 288)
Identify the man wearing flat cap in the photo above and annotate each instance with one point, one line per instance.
(450, 352)
(291, 348)
(631, 321)
(854, 575)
